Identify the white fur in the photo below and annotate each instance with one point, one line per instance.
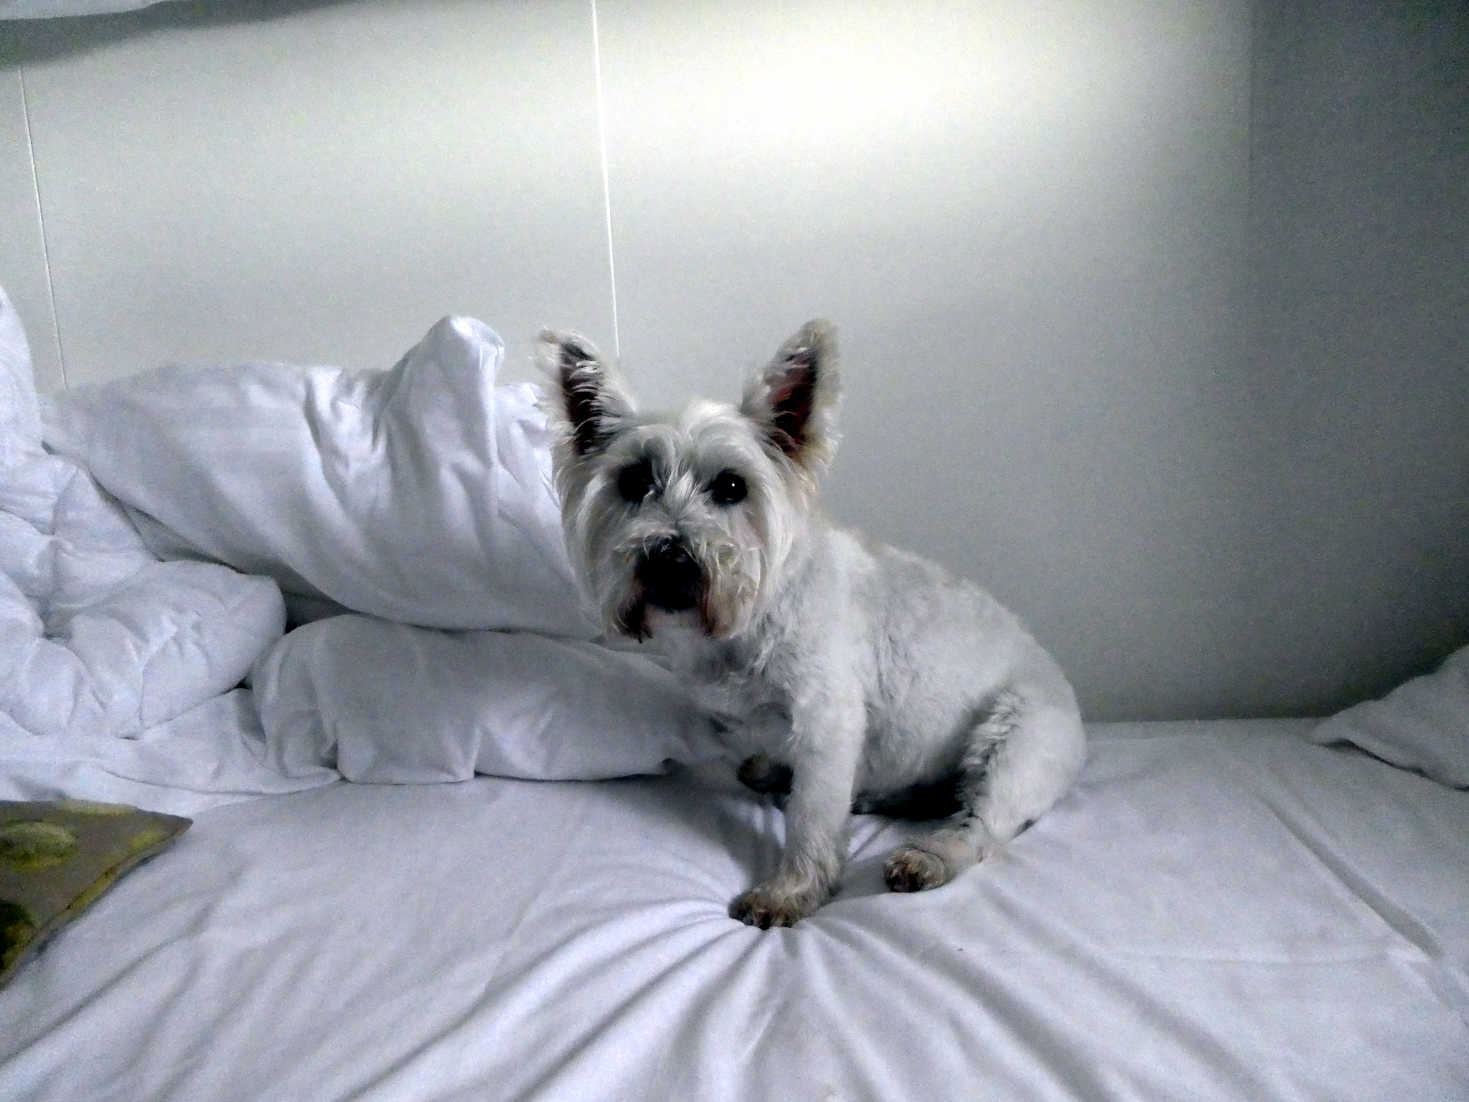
(864, 669)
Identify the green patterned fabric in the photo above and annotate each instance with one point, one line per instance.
(57, 858)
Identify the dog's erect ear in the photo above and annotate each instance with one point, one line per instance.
(794, 397)
(587, 398)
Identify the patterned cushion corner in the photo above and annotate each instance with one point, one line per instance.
(58, 857)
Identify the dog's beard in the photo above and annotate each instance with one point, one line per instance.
(729, 590)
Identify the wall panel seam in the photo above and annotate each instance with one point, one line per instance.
(25, 110)
(606, 175)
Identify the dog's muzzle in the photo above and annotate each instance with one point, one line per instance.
(670, 576)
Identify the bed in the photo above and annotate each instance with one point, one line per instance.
(1220, 910)
(446, 842)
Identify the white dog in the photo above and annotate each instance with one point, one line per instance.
(872, 676)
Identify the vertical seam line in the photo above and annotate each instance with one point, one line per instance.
(25, 111)
(606, 176)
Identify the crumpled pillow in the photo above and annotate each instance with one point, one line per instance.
(58, 858)
(389, 703)
(1421, 725)
(420, 494)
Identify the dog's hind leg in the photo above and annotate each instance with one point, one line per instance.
(1020, 760)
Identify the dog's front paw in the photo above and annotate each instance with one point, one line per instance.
(910, 869)
(765, 908)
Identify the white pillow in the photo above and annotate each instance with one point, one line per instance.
(388, 703)
(1423, 724)
(420, 494)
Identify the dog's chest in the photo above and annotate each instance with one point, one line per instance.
(732, 683)
(731, 680)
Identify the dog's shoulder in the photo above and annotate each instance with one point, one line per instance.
(878, 572)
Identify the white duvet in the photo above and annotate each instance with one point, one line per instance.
(406, 514)
(117, 671)
(100, 637)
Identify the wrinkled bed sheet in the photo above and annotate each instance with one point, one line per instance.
(1217, 911)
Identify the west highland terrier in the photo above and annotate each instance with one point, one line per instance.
(859, 677)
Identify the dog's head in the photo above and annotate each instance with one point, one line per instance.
(691, 515)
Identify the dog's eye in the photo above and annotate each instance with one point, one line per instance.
(635, 482)
(728, 488)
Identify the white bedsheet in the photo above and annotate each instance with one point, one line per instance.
(1216, 911)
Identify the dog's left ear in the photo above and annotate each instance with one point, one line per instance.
(794, 397)
(588, 400)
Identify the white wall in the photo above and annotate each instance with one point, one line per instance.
(312, 182)
(1109, 349)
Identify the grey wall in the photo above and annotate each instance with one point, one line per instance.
(1353, 404)
(1154, 314)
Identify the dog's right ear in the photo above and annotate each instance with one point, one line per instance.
(587, 400)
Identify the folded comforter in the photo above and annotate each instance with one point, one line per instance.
(118, 671)
(101, 638)
(409, 519)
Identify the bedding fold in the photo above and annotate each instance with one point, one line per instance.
(100, 639)
(406, 515)
(396, 704)
(420, 494)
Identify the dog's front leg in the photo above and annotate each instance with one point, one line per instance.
(825, 746)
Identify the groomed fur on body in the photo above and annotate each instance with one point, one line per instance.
(858, 674)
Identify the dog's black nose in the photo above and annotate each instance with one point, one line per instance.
(670, 576)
